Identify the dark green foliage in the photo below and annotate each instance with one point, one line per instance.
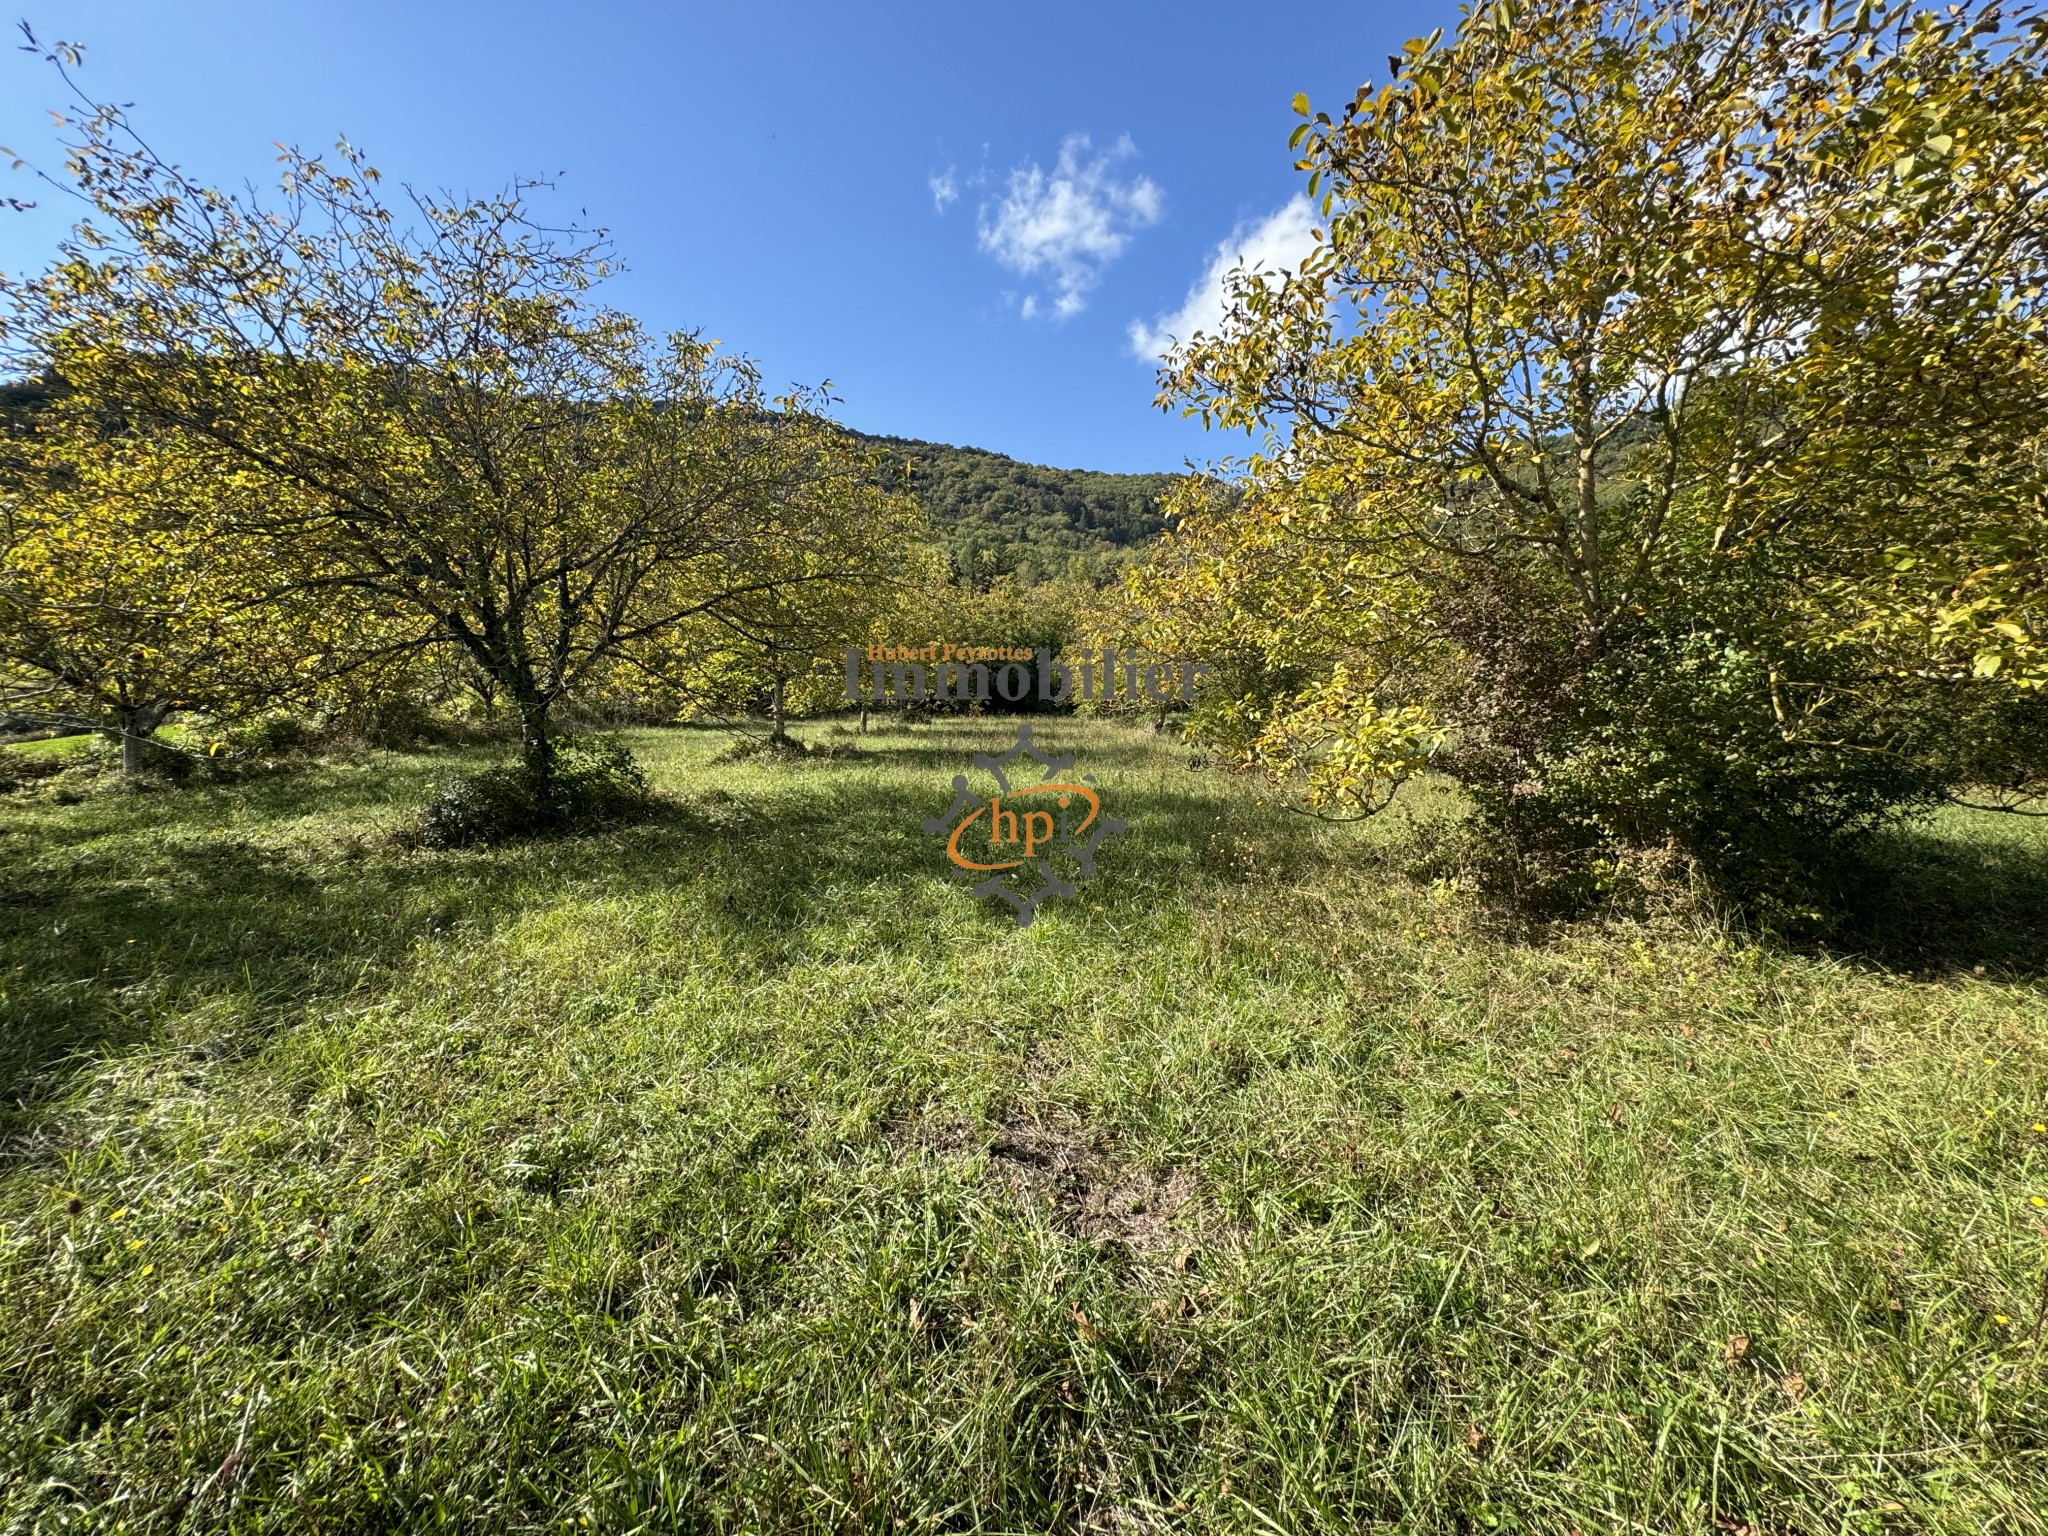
(271, 736)
(751, 748)
(591, 782)
(18, 770)
(1672, 743)
(397, 720)
(999, 517)
(20, 400)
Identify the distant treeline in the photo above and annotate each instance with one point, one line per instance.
(997, 516)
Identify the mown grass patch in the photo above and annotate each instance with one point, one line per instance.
(735, 1170)
(47, 746)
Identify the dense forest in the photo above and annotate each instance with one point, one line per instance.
(997, 516)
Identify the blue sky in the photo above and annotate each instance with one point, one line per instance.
(970, 217)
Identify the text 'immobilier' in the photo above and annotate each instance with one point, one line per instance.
(907, 674)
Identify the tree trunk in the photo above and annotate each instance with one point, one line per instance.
(863, 719)
(781, 731)
(536, 746)
(138, 723)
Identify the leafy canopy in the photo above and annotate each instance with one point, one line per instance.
(446, 425)
(1655, 431)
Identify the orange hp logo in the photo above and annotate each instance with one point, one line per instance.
(1040, 827)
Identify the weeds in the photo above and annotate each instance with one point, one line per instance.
(737, 1170)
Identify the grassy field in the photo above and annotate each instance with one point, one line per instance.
(737, 1171)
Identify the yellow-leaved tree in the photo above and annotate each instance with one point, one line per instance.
(1654, 433)
(435, 417)
(130, 588)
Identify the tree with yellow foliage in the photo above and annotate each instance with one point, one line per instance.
(1656, 427)
(129, 590)
(432, 414)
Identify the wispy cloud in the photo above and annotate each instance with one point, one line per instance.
(1067, 225)
(945, 190)
(1278, 241)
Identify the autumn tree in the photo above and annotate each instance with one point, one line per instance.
(863, 551)
(1655, 428)
(455, 429)
(129, 592)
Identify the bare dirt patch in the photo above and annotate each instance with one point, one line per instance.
(1093, 1193)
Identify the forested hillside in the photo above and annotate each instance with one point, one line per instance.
(998, 516)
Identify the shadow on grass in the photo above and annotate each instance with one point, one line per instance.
(120, 923)
(140, 918)
(771, 870)
(1964, 893)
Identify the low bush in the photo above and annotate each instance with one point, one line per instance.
(593, 781)
(19, 769)
(784, 749)
(400, 722)
(271, 736)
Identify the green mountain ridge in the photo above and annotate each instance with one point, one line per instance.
(998, 516)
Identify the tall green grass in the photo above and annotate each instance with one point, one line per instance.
(738, 1171)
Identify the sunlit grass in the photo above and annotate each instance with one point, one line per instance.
(738, 1171)
(48, 746)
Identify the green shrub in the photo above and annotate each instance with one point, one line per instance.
(1671, 741)
(593, 781)
(396, 721)
(19, 769)
(271, 736)
(787, 749)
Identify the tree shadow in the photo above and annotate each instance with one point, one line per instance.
(111, 945)
(772, 869)
(124, 922)
(1964, 893)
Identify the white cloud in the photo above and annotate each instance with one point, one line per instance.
(1067, 226)
(945, 190)
(1278, 241)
